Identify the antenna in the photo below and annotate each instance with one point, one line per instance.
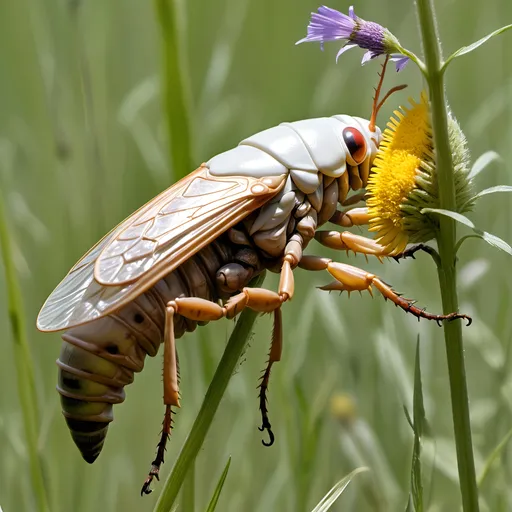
(376, 104)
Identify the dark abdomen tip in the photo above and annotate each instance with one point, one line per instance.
(88, 436)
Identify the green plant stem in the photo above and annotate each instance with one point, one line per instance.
(446, 269)
(174, 91)
(204, 418)
(24, 367)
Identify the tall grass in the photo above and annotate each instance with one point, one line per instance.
(360, 348)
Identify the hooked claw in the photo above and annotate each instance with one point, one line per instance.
(146, 489)
(270, 435)
(468, 319)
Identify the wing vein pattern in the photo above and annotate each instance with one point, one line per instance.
(151, 243)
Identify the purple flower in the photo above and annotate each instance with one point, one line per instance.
(331, 25)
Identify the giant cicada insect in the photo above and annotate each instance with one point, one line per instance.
(187, 257)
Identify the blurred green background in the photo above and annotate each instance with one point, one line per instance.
(83, 144)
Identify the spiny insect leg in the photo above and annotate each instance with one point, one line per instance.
(274, 355)
(170, 375)
(349, 278)
(160, 452)
(347, 241)
(351, 217)
(171, 395)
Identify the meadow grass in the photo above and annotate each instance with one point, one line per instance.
(83, 143)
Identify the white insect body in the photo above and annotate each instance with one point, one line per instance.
(165, 268)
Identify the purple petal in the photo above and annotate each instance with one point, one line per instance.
(328, 25)
(344, 49)
(399, 60)
(369, 55)
(351, 13)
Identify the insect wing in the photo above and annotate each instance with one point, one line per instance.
(79, 298)
(151, 243)
(178, 226)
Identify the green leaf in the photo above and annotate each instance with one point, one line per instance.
(474, 46)
(482, 162)
(188, 491)
(418, 425)
(453, 215)
(491, 239)
(495, 241)
(218, 489)
(487, 191)
(328, 500)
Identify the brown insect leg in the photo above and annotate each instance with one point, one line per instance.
(197, 309)
(171, 395)
(351, 217)
(170, 373)
(286, 290)
(160, 452)
(354, 199)
(347, 241)
(274, 355)
(349, 278)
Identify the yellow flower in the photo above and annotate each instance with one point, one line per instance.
(344, 408)
(404, 180)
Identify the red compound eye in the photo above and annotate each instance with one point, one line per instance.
(355, 143)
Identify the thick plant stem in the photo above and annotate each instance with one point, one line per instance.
(446, 269)
(175, 91)
(24, 368)
(227, 365)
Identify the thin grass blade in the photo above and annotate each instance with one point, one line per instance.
(493, 456)
(329, 499)
(174, 91)
(188, 493)
(216, 494)
(418, 427)
(24, 366)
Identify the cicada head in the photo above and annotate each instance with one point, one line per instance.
(360, 142)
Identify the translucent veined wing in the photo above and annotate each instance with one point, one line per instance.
(151, 243)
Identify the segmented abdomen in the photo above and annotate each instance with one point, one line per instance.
(98, 359)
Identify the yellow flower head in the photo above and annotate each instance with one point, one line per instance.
(404, 180)
(344, 408)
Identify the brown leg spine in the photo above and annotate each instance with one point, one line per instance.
(170, 376)
(160, 452)
(409, 307)
(273, 356)
(349, 279)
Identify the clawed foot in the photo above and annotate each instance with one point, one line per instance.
(266, 426)
(146, 488)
